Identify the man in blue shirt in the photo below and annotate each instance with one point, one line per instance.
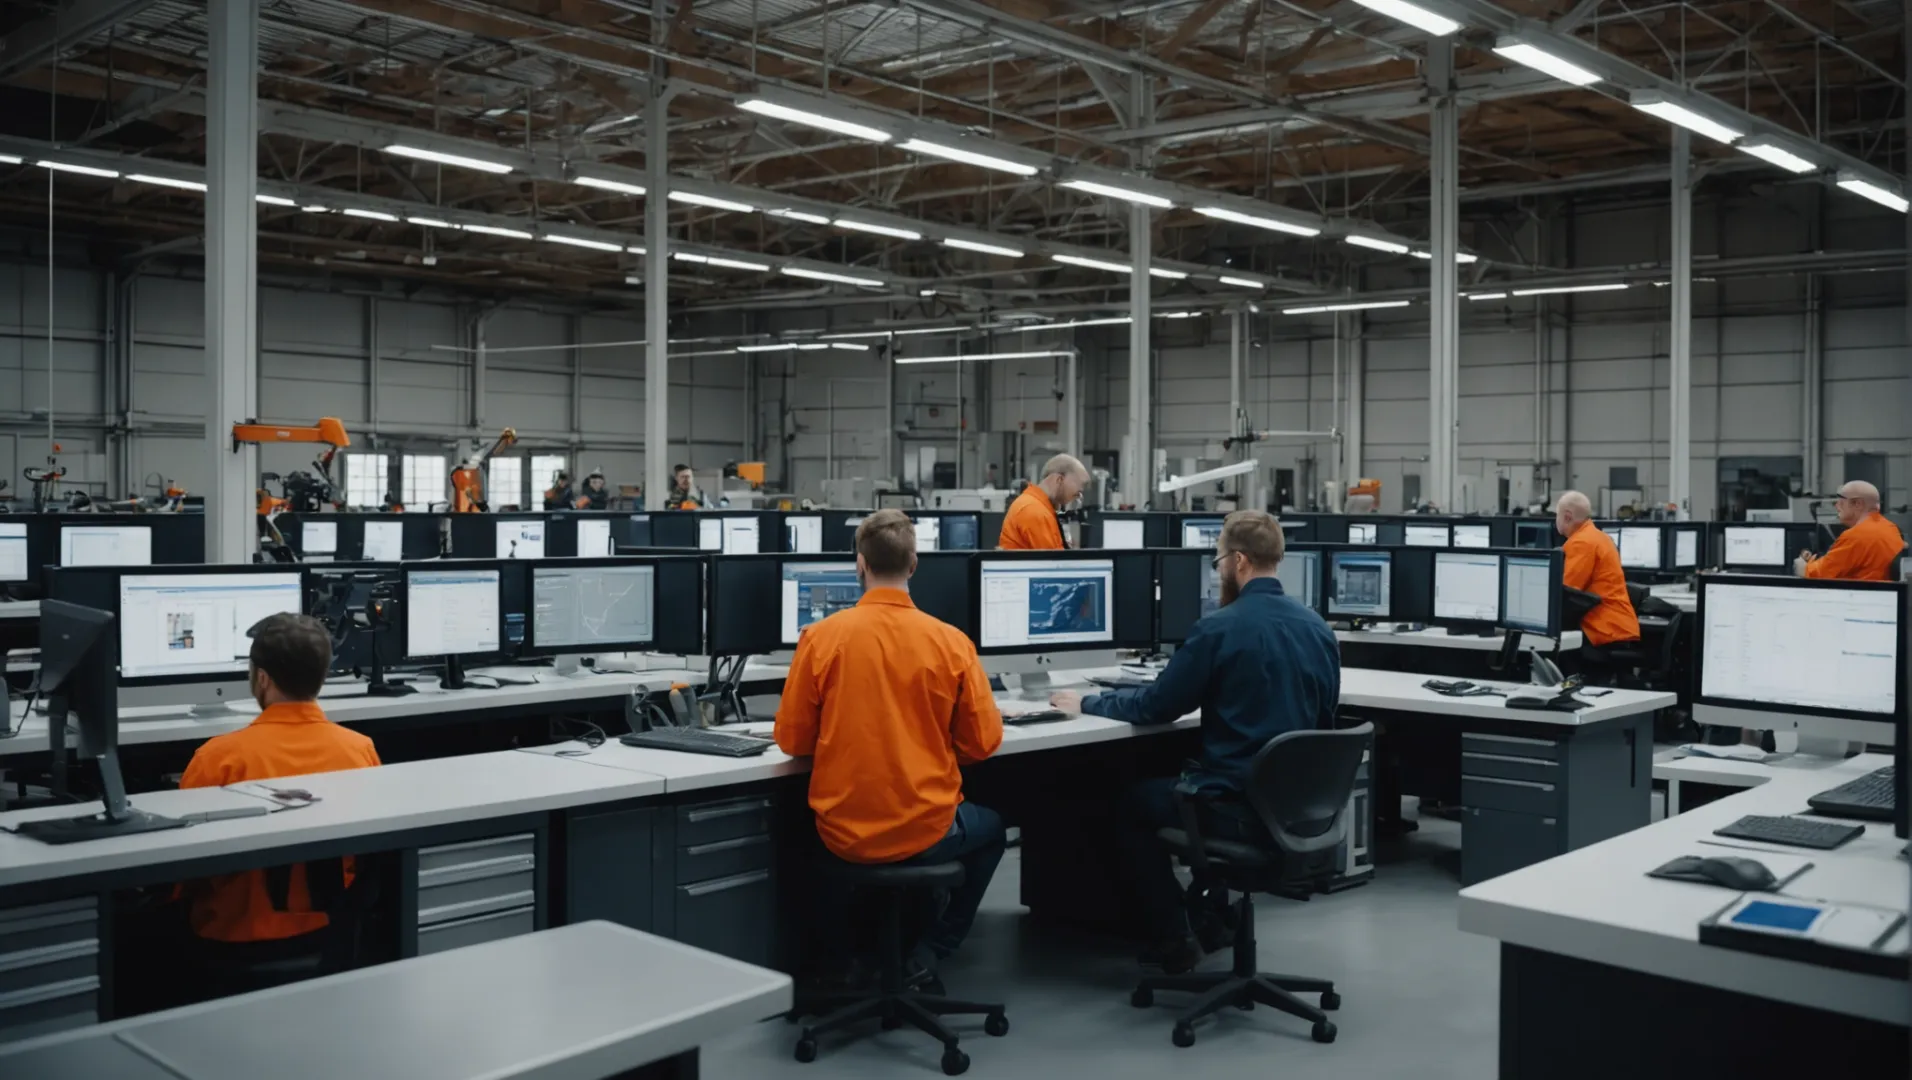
(1259, 666)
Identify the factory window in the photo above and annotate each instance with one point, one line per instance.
(424, 481)
(366, 478)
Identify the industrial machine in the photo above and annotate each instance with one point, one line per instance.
(468, 479)
(301, 491)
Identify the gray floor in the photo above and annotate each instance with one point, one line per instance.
(1419, 996)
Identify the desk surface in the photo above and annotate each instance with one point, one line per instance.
(1434, 638)
(1680, 596)
(19, 609)
(1598, 904)
(582, 1001)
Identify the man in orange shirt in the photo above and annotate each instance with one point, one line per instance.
(1031, 523)
(890, 702)
(1593, 565)
(1864, 552)
(290, 737)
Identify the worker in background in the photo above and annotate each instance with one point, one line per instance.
(291, 736)
(685, 495)
(1259, 666)
(1864, 552)
(1360, 504)
(596, 494)
(558, 496)
(890, 703)
(1031, 523)
(1593, 565)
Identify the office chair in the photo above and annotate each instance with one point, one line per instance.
(893, 1002)
(241, 967)
(1298, 786)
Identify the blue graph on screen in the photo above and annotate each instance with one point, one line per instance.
(1067, 606)
(821, 595)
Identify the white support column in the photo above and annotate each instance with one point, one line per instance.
(1444, 339)
(657, 378)
(1680, 390)
(1355, 431)
(1811, 385)
(1071, 405)
(1236, 359)
(1138, 452)
(232, 276)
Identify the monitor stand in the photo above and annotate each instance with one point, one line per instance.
(723, 693)
(118, 819)
(454, 674)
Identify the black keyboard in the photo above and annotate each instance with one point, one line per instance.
(1120, 682)
(1871, 797)
(1036, 716)
(1791, 831)
(697, 741)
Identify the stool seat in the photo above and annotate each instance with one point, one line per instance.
(898, 876)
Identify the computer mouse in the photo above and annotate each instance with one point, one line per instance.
(1746, 875)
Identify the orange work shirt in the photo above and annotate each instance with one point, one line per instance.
(889, 702)
(1593, 565)
(292, 738)
(1862, 553)
(1030, 524)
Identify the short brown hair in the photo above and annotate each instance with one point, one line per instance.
(1257, 535)
(887, 542)
(296, 650)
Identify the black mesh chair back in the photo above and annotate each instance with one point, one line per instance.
(1300, 783)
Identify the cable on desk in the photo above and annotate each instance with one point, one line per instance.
(592, 738)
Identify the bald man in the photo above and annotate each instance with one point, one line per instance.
(1031, 523)
(1593, 565)
(1864, 552)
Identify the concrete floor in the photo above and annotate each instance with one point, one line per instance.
(1418, 996)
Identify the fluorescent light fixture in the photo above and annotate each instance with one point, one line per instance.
(763, 107)
(810, 346)
(618, 186)
(857, 334)
(9, 159)
(1178, 314)
(1388, 246)
(635, 250)
(1654, 103)
(83, 170)
(850, 346)
(711, 201)
(1116, 320)
(987, 249)
(1172, 275)
(1241, 282)
(1113, 192)
(1360, 305)
(800, 215)
(1553, 289)
(1486, 296)
(880, 230)
(1769, 150)
(914, 330)
(1039, 354)
(430, 223)
(500, 230)
(442, 158)
(772, 347)
(968, 157)
(579, 241)
(1428, 255)
(1465, 257)
(369, 215)
(1545, 62)
(736, 264)
(167, 181)
(1094, 264)
(274, 200)
(842, 279)
(1878, 193)
(926, 292)
(1275, 224)
(315, 209)
(1418, 17)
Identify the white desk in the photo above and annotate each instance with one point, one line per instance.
(1680, 596)
(588, 1000)
(1402, 691)
(1433, 638)
(19, 611)
(1676, 767)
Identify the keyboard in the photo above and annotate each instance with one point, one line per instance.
(1034, 716)
(1120, 682)
(1791, 831)
(697, 741)
(1871, 797)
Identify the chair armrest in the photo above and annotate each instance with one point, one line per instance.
(1188, 803)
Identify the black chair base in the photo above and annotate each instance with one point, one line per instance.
(1242, 988)
(840, 1011)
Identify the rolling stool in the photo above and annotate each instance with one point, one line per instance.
(892, 1002)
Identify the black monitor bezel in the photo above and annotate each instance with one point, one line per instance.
(1327, 580)
(439, 566)
(1555, 558)
(533, 648)
(182, 570)
(1116, 638)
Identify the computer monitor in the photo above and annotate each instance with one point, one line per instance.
(803, 534)
(961, 532)
(1684, 547)
(1530, 594)
(1640, 546)
(740, 586)
(1360, 583)
(603, 607)
(1363, 532)
(1754, 545)
(1827, 649)
(1124, 534)
(1390, 533)
(1473, 536)
(452, 611)
(13, 553)
(1039, 604)
(319, 538)
(1534, 534)
(1300, 577)
(742, 535)
(1184, 594)
(1201, 532)
(106, 545)
(813, 591)
(1427, 536)
(192, 627)
(519, 540)
(929, 532)
(384, 541)
(940, 588)
(594, 538)
(1467, 588)
(710, 533)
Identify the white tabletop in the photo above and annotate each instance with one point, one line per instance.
(1597, 903)
(1402, 691)
(1680, 596)
(1434, 638)
(19, 609)
(1672, 763)
(575, 1003)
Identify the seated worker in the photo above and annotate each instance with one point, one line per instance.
(1031, 523)
(559, 495)
(890, 702)
(1864, 552)
(684, 494)
(1261, 665)
(290, 737)
(596, 495)
(1593, 565)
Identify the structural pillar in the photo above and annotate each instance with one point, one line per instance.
(232, 276)
(1679, 477)
(1444, 339)
(1355, 432)
(1138, 472)
(657, 376)
(1235, 354)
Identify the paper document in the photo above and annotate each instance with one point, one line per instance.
(1732, 752)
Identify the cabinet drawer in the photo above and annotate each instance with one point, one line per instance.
(1475, 742)
(735, 916)
(1495, 842)
(1519, 796)
(43, 1010)
(476, 896)
(723, 858)
(703, 823)
(46, 925)
(447, 856)
(1509, 767)
(32, 968)
(476, 931)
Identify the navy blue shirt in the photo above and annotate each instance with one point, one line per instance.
(1259, 667)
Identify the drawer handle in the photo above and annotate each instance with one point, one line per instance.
(513, 913)
(476, 871)
(48, 954)
(711, 813)
(726, 884)
(490, 841)
(1538, 762)
(726, 845)
(34, 995)
(1511, 783)
(1522, 739)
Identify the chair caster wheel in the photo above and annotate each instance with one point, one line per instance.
(806, 1051)
(1324, 1032)
(1183, 1035)
(1330, 1001)
(996, 1024)
(1142, 997)
(891, 1023)
(955, 1062)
